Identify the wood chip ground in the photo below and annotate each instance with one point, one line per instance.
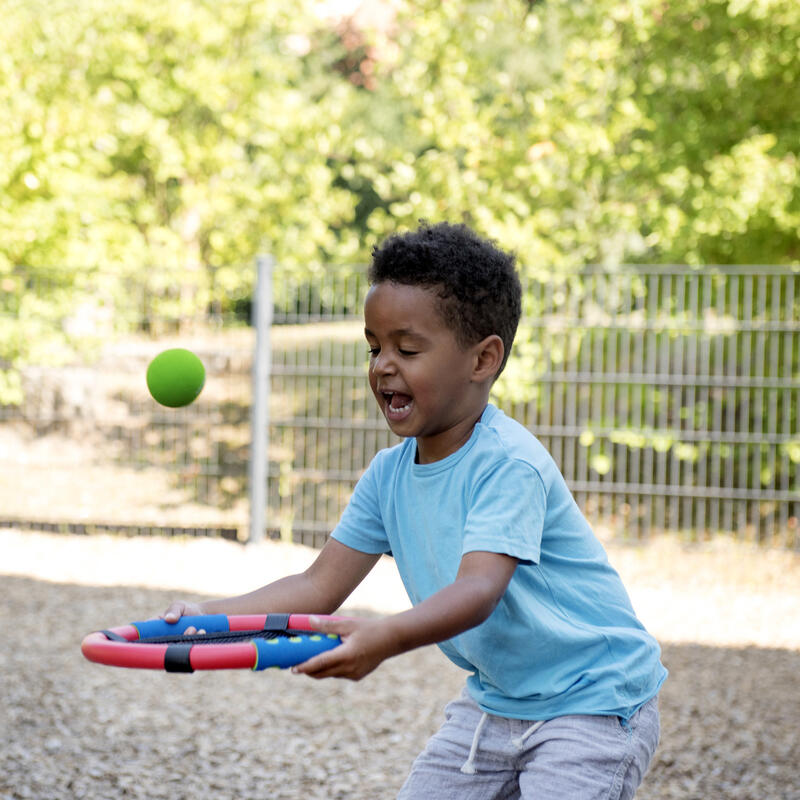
(727, 620)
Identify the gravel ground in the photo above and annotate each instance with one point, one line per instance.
(728, 619)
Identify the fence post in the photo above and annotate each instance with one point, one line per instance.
(259, 414)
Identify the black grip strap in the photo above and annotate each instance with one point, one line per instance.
(114, 637)
(276, 622)
(176, 658)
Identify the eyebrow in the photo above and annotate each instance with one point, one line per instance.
(398, 332)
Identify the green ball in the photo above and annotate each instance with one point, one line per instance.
(175, 377)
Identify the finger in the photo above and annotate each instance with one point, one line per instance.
(327, 625)
(174, 612)
(337, 669)
(314, 666)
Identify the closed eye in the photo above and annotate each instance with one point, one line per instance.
(375, 351)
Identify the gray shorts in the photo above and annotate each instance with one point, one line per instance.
(477, 756)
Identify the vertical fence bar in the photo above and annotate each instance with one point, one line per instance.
(761, 397)
(767, 457)
(716, 351)
(727, 401)
(578, 395)
(545, 402)
(664, 394)
(622, 408)
(648, 367)
(259, 419)
(781, 459)
(750, 453)
(739, 509)
(699, 406)
(709, 508)
(692, 421)
(674, 308)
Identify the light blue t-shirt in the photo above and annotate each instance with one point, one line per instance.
(564, 638)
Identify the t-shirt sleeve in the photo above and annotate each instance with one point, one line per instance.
(361, 526)
(506, 512)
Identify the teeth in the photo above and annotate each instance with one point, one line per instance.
(396, 409)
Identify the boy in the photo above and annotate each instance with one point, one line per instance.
(502, 569)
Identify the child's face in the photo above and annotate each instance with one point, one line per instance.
(418, 372)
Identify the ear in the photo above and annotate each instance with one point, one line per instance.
(489, 354)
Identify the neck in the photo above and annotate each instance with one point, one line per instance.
(434, 448)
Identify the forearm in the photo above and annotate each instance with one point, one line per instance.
(462, 605)
(297, 594)
(320, 589)
(481, 581)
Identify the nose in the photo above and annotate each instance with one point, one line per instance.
(382, 364)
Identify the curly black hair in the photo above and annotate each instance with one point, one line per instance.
(475, 280)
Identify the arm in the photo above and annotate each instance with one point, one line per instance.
(320, 589)
(480, 583)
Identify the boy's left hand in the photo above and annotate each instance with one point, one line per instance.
(365, 644)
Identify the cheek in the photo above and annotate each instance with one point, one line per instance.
(373, 380)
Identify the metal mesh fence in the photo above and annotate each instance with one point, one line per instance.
(669, 397)
(83, 447)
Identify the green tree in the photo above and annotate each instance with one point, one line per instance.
(166, 145)
(590, 132)
(167, 135)
(174, 142)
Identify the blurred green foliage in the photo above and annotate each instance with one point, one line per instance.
(172, 142)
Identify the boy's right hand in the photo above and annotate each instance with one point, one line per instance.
(181, 608)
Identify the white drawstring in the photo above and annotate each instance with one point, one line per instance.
(519, 742)
(468, 767)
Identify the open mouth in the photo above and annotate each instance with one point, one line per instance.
(397, 405)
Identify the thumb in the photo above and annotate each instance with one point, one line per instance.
(174, 612)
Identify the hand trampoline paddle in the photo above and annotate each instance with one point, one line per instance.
(254, 642)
